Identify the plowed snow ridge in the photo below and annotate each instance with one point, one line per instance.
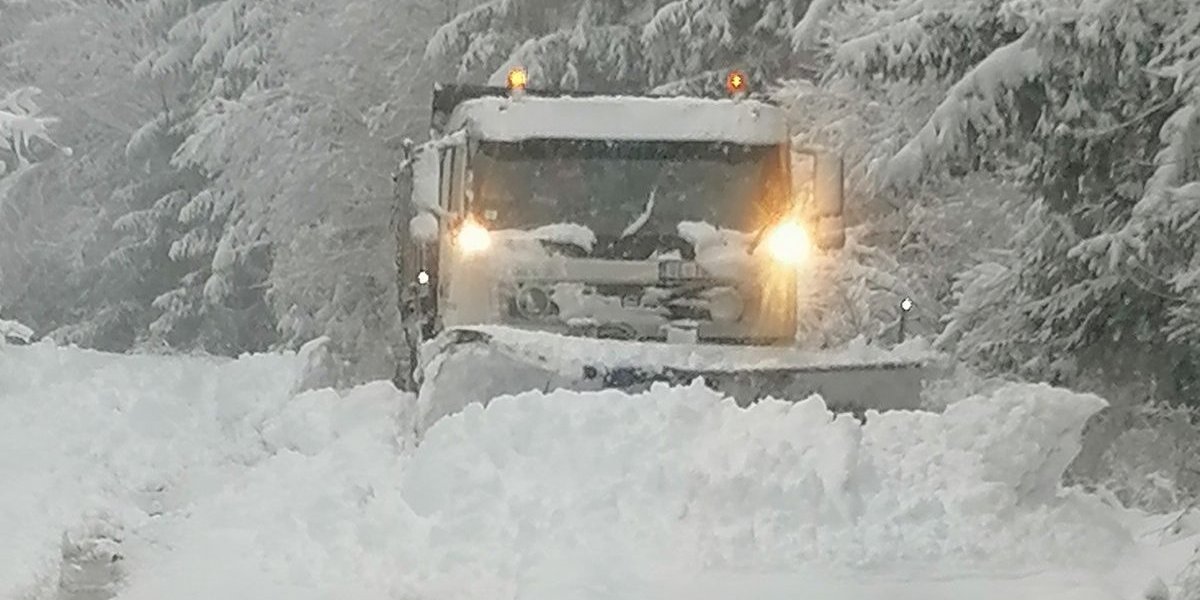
(228, 485)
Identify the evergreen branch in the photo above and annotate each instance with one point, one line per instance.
(976, 93)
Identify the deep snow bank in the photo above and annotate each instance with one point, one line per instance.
(83, 432)
(226, 484)
(605, 495)
(91, 439)
(681, 478)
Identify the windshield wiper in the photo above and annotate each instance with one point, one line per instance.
(642, 219)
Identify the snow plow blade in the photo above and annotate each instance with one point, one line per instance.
(469, 365)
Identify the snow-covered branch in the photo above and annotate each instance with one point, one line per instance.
(902, 33)
(472, 23)
(682, 86)
(804, 33)
(535, 55)
(21, 101)
(973, 100)
(670, 18)
(19, 124)
(1180, 137)
(12, 330)
(703, 24)
(1169, 199)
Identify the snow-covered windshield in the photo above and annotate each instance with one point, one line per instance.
(608, 186)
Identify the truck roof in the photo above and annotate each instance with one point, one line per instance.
(619, 118)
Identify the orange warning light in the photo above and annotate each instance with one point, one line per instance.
(736, 82)
(517, 79)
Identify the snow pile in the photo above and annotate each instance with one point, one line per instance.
(681, 479)
(88, 437)
(603, 495)
(317, 514)
(224, 483)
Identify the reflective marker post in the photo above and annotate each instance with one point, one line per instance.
(906, 305)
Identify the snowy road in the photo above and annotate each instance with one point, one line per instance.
(220, 481)
(1082, 586)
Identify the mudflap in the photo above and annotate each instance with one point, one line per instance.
(466, 366)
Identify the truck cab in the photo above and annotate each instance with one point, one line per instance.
(675, 219)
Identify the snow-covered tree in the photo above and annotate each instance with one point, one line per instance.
(572, 44)
(691, 44)
(1090, 101)
(321, 168)
(623, 45)
(77, 54)
(294, 124)
(21, 126)
(212, 53)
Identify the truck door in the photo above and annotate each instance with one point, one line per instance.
(463, 293)
(434, 197)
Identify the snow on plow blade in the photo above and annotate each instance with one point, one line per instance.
(468, 365)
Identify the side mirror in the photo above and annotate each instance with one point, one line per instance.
(828, 200)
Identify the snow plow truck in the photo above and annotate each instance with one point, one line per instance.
(552, 239)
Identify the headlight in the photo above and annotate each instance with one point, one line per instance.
(788, 243)
(473, 238)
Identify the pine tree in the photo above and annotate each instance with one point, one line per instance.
(679, 46)
(691, 44)
(216, 51)
(329, 145)
(1076, 95)
(55, 230)
(576, 44)
(296, 150)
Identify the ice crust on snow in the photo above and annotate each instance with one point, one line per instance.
(226, 484)
(621, 118)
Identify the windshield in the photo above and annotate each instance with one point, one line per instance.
(626, 188)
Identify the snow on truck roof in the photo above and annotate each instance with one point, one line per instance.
(626, 118)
